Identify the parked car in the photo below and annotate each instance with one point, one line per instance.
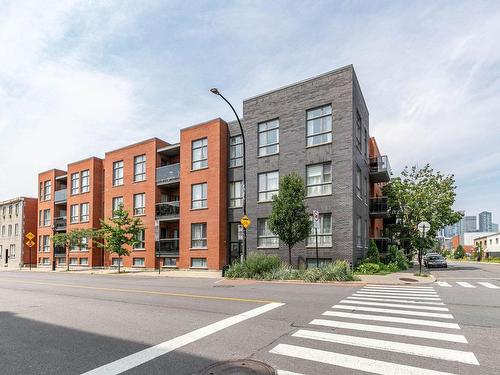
(426, 257)
(436, 261)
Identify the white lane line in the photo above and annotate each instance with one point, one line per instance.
(404, 305)
(398, 293)
(489, 285)
(143, 356)
(399, 286)
(283, 372)
(443, 283)
(394, 311)
(465, 284)
(392, 319)
(365, 298)
(366, 294)
(402, 290)
(392, 346)
(349, 361)
(391, 330)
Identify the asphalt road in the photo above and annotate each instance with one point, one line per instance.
(74, 324)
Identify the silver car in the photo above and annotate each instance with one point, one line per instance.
(436, 261)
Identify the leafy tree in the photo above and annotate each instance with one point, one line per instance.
(459, 252)
(75, 237)
(420, 195)
(119, 233)
(289, 219)
(373, 256)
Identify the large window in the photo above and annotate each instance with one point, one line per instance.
(10, 230)
(235, 151)
(358, 182)
(359, 232)
(47, 190)
(46, 244)
(73, 213)
(16, 230)
(139, 204)
(141, 244)
(199, 154)
(46, 218)
(118, 173)
(266, 238)
(139, 168)
(138, 262)
(268, 185)
(12, 251)
(365, 142)
(199, 195)
(324, 232)
(198, 235)
(235, 194)
(75, 183)
(84, 212)
(85, 181)
(319, 179)
(116, 203)
(358, 130)
(198, 262)
(319, 125)
(269, 137)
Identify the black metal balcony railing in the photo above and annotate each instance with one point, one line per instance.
(167, 210)
(167, 174)
(60, 223)
(380, 169)
(60, 195)
(168, 246)
(379, 207)
(59, 251)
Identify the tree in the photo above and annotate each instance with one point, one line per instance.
(420, 195)
(459, 252)
(119, 233)
(75, 237)
(289, 219)
(373, 256)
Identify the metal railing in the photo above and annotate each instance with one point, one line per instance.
(380, 164)
(379, 205)
(168, 246)
(167, 209)
(60, 222)
(167, 174)
(60, 195)
(59, 251)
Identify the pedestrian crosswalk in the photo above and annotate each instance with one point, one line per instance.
(381, 330)
(468, 285)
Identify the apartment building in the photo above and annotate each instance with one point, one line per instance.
(189, 195)
(17, 218)
(490, 244)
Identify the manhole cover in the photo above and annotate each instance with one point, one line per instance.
(408, 279)
(239, 367)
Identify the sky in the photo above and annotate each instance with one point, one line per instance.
(79, 78)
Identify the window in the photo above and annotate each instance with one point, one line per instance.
(269, 138)
(46, 244)
(139, 204)
(366, 234)
(41, 194)
(138, 262)
(116, 203)
(10, 230)
(73, 213)
(85, 175)
(118, 173)
(84, 261)
(116, 261)
(169, 262)
(12, 251)
(365, 143)
(235, 194)
(140, 245)
(199, 262)
(10, 210)
(1, 251)
(84, 212)
(319, 179)
(198, 235)
(84, 242)
(73, 261)
(311, 262)
(266, 238)
(319, 125)
(268, 185)
(3, 230)
(358, 182)
(16, 230)
(46, 218)
(359, 232)
(75, 183)
(17, 209)
(199, 155)
(139, 168)
(199, 196)
(367, 190)
(45, 261)
(235, 151)
(47, 190)
(358, 130)
(324, 232)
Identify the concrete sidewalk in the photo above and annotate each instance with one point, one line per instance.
(397, 278)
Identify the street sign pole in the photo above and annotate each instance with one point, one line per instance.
(317, 256)
(422, 227)
(157, 240)
(316, 226)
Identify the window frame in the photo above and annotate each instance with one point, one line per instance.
(328, 132)
(139, 210)
(74, 183)
(311, 239)
(235, 161)
(142, 240)
(74, 212)
(203, 160)
(265, 237)
(235, 201)
(140, 176)
(46, 217)
(266, 192)
(113, 208)
(323, 183)
(202, 240)
(85, 181)
(47, 190)
(266, 131)
(84, 218)
(118, 173)
(203, 200)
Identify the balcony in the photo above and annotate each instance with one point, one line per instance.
(168, 174)
(60, 223)
(380, 169)
(60, 196)
(59, 251)
(167, 247)
(167, 210)
(379, 207)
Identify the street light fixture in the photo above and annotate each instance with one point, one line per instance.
(217, 92)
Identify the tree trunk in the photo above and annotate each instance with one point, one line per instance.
(119, 263)
(290, 256)
(67, 257)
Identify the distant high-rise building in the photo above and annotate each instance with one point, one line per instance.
(461, 224)
(470, 223)
(494, 227)
(485, 224)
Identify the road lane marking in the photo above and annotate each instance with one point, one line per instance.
(366, 294)
(364, 298)
(465, 284)
(391, 330)
(394, 311)
(146, 355)
(139, 291)
(283, 372)
(489, 285)
(348, 361)
(443, 283)
(392, 346)
(392, 319)
(405, 305)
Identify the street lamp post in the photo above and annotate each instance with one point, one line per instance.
(217, 92)
(53, 248)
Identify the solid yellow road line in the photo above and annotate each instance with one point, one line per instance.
(139, 291)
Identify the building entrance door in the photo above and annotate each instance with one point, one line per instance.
(234, 245)
(6, 256)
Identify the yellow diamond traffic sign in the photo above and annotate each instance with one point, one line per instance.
(30, 243)
(245, 221)
(30, 236)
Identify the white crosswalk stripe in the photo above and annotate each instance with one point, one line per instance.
(406, 306)
(401, 294)
(443, 283)
(411, 291)
(393, 311)
(367, 294)
(400, 287)
(365, 298)
(465, 284)
(489, 285)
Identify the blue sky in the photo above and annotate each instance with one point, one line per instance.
(79, 78)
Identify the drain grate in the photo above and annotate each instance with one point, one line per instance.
(239, 367)
(408, 279)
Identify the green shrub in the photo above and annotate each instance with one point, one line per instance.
(459, 252)
(368, 268)
(255, 267)
(373, 256)
(396, 256)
